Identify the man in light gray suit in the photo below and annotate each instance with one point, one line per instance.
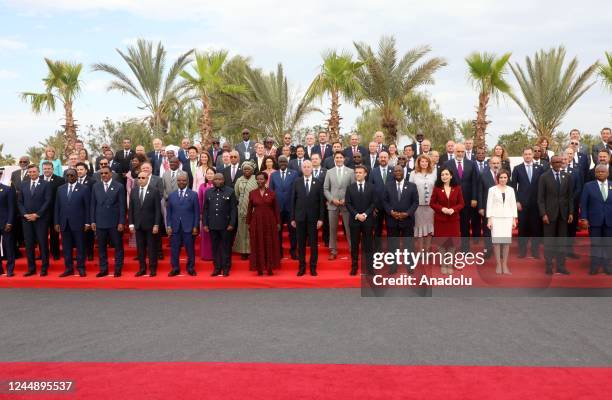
(246, 148)
(337, 180)
(169, 178)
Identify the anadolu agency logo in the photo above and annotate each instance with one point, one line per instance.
(386, 263)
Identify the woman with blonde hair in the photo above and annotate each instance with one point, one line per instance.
(500, 151)
(50, 156)
(424, 177)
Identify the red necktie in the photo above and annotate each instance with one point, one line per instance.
(460, 170)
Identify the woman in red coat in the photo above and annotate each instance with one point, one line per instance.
(263, 219)
(446, 201)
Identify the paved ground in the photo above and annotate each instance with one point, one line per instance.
(302, 326)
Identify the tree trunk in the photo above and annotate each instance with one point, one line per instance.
(481, 121)
(389, 124)
(206, 123)
(333, 123)
(70, 135)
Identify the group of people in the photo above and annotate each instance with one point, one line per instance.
(241, 199)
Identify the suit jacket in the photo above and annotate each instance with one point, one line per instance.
(108, 208)
(8, 207)
(307, 207)
(543, 163)
(156, 161)
(123, 161)
(169, 183)
(595, 150)
(438, 201)
(334, 188)
(444, 158)
(214, 154)
(321, 175)
(158, 184)
(486, 182)
(54, 182)
(408, 202)
(348, 151)
(227, 174)
(327, 153)
(526, 192)
(72, 213)
(186, 166)
(294, 165)
(97, 178)
(241, 148)
(256, 163)
(497, 207)
(38, 202)
(359, 203)
(469, 181)
(414, 149)
(147, 214)
(220, 208)
(284, 189)
(591, 175)
(16, 180)
(577, 184)
(553, 201)
(367, 160)
(183, 214)
(593, 207)
(330, 163)
(375, 178)
(182, 155)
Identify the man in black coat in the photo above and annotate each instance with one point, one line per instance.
(353, 149)
(556, 207)
(359, 201)
(17, 178)
(84, 179)
(33, 202)
(307, 212)
(8, 210)
(379, 176)
(144, 215)
(603, 157)
(54, 182)
(124, 157)
(318, 172)
(233, 172)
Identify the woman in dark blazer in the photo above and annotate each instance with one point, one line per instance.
(446, 201)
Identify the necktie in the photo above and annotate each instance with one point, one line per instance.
(451, 156)
(233, 172)
(604, 192)
(142, 194)
(283, 176)
(173, 176)
(316, 173)
(399, 191)
(361, 188)
(105, 187)
(299, 163)
(125, 154)
(558, 180)
(32, 187)
(69, 191)
(481, 166)
(181, 193)
(384, 174)
(307, 186)
(494, 176)
(339, 174)
(529, 173)
(354, 150)
(23, 173)
(460, 170)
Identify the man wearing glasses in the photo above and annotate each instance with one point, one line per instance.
(287, 139)
(102, 155)
(580, 161)
(233, 172)
(537, 158)
(215, 151)
(103, 163)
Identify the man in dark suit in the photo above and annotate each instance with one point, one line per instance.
(525, 181)
(379, 139)
(323, 147)
(183, 152)
(576, 173)
(215, 151)
(400, 201)
(579, 161)
(17, 178)
(353, 149)
(108, 219)
(84, 179)
(33, 202)
(104, 163)
(8, 211)
(307, 210)
(219, 218)
(370, 159)
(329, 162)
(287, 138)
(54, 182)
(359, 200)
(191, 164)
(144, 215)
(156, 155)
(318, 172)
(246, 148)
(466, 174)
(233, 172)
(103, 148)
(488, 179)
(300, 157)
(470, 154)
(556, 207)
(156, 182)
(124, 156)
(450, 153)
(537, 157)
(281, 183)
(379, 177)
(603, 157)
(72, 219)
(417, 144)
(182, 224)
(596, 212)
(605, 135)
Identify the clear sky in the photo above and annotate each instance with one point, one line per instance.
(294, 33)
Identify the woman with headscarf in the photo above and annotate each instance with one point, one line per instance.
(242, 188)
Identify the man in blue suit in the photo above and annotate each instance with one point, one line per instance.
(182, 224)
(400, 200)
(379, 177)
(281, 183)
(220, 215)
(525, 178)
(466, 174)
(108, 219)
(7, 219)
(33, 202)
(596, 213)
(71, 217)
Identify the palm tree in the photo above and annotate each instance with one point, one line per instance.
(5, 159)
(271, 108)
(549, 91)
(337, 76)
(486, 72)
(605, 71)
(61, 84)
(209, 81)
(386, 81)
(156, 89)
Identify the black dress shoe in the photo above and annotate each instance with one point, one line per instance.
(192, 273)
(30, 273)
(593, 272)
(549, 271)
(152, 274)
(44, 273)
(82, 274)
(56, 258)
(522, 255)
(139, 273)
(10, 275)
(259, 273)
(353, 271)
(226, 274)
(117, 274)
(160, 256)
(563, 272)
(66, 273)
(173, 273)
(90, 257)
(573, 255)
(244, 256)
(215, 273)
(270, 273)
(313, 272)
(101, 274)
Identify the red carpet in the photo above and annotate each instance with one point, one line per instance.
(199, 380)
(527, 273)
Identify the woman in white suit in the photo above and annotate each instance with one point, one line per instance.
(502, 217)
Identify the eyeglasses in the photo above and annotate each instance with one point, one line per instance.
(216, 142)
(574, 143)
(233, 156)
(104, 165)
(23, 162)
(142, 177)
